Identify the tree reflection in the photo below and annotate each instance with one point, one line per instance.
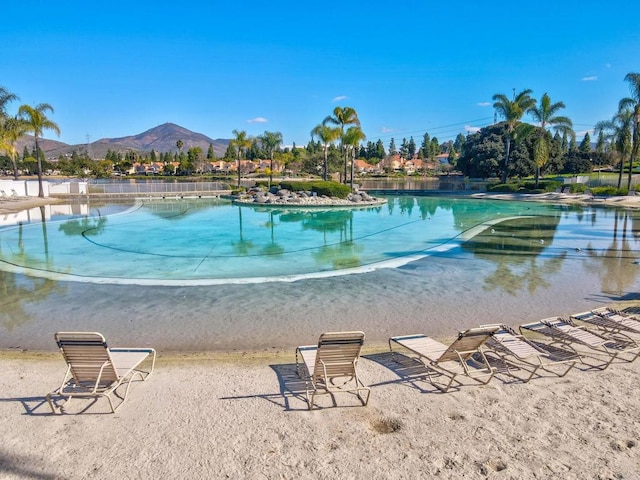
(88, 226)
(272, 248)
(615, 265)
(242, 247)
(17, 291)
(515, 246)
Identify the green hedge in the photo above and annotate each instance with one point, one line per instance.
(504, 187)
(330, 189)
(609, 190)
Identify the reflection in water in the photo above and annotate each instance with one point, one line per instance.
(515, 247)
(88, 226)
(616, 265)
(19, 291)
(339, 254)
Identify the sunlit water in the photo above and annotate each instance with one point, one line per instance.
(205, 275)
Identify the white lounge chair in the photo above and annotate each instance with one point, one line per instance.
(95, 370)
(566, 332)
(451, 360)
(517, 352)
(331, 366)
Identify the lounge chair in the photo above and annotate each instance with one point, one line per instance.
(566, 332)
(452, 360)
(519, 353)
(331, 366)
(610, 321)
(95, 370)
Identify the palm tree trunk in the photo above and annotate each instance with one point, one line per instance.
(325, 172)
(353, 161)
(238, 170)
(620, 171)
(14, 161)
(634, 148)
(40, 189)
(271, 170)
(346, 155)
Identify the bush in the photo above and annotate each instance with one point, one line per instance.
(609, 191)
(577, 188)
(504, 187)
(543, 186)
(330, 189)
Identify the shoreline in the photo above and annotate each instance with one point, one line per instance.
(628, 201)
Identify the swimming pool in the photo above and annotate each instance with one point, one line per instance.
(203, 274)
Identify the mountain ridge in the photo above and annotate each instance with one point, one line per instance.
(161, 138)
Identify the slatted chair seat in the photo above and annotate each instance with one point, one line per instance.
(519, 353)
(566, 332)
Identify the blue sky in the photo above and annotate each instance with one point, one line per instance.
(407, 67)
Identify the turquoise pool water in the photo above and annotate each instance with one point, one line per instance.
(197, 275)
(197, 241)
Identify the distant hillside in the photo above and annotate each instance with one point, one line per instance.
(162, 138)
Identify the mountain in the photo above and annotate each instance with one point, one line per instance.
(162, 138)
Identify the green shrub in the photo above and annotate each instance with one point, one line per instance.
(543, 186)
(609, 190)
(330, 189)
(577, 188)
(504, 187)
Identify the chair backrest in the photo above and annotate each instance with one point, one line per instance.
(337, 353)
(468, 342)
(87, 355)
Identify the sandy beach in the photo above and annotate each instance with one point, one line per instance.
(244, 416)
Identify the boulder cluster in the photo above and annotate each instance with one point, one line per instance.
(302, 198)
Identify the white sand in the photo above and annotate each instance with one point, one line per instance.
(243, 417)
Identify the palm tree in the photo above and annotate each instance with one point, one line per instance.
(352, 138)
(619, 131)
(5, 98)
(343, 116)
(512, 111)
(36, 122)
(633, 102)
(271, 142)
(10, 130)
(546, 114)
(240, 143)
(8, 127)
(326, 135)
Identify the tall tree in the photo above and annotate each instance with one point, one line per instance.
(619, 130)
(633, 103)
(271, 142)
(342, 117)
(392, 147)
(512, 111)
(37, 122)
(352, 138)
(10, 130)
(240, 143)
(546, 113)
(327, 135)
(6, 97)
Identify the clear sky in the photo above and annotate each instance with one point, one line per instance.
(118, 68)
